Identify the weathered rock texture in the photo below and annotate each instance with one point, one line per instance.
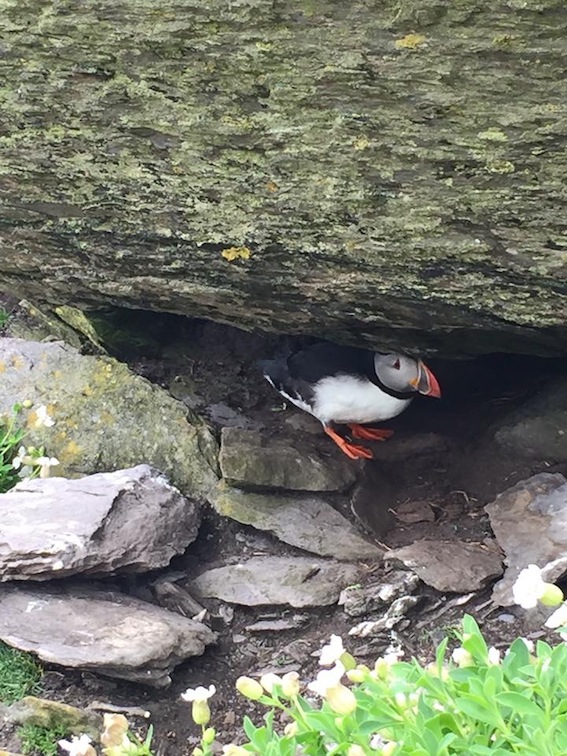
(126, 521)
(106, 418)
(313, 167)
(297, 581)
(249, 460)
(307, 522)
(529, 521)
(451, 565)
(109, 633)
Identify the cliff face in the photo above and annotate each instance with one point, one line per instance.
(325, 168)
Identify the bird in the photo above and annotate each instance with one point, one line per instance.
(349, 386)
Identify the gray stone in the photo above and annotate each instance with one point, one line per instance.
(125, 521)
(104, 632)
(307, 522)
(297, 581)
(250, 460)
(106, 418)
(359, 600)
(395, 614)
(538, 428)
(277, 625)
(455, 566)
(529, 521)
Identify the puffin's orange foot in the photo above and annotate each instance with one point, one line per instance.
(354, 451)
(369, 434)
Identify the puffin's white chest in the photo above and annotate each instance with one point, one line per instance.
(346, 399)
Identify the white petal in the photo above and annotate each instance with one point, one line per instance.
(332, 652)
(558, 618)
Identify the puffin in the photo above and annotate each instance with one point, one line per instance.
(341, 385)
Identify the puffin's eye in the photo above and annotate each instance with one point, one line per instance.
(396, 365)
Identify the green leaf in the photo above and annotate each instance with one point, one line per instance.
(477, 711)
(249, 727)
(519, 704)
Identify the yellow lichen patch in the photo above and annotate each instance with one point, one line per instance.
(271, 186)
(410, 41)
(2, 367)
(361, 143)
(493, 135)
(70, 452)
(236, 253)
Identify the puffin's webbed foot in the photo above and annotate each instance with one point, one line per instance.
(354, 451)
(369, 434)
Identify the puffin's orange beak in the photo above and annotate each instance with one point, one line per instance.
(426, 383)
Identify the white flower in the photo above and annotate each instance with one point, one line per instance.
(326, 679)
(462, 657)
(42, 418)
(268, 681)
(558, 618)
(78, 746)
(22, 458)
(332, 652)
(493, 656)
(530, 588)
(198, 694)
(45, 464)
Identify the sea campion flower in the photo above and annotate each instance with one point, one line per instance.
(268, 681)
(22, 458)
(530, 588)
(290, 684)
(45, 464)
(42, 418)
(462, 657)
(78, 746)
(558, 619)
(328, 685)
(332, 652)
(233, 750)
(493, 656)
(199, 697)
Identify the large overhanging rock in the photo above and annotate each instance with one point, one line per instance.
(336, 169)
(125, 521)
(106, 418)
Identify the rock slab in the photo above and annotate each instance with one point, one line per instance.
(297, 581)
(529, 521)
(538, 429)
(125, 521)
(455, 566)
(106, 417)
(307, 522)
(250, 460)
(108, 633)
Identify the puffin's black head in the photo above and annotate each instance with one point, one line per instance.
(405, 374)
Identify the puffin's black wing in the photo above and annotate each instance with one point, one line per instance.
(323, 360)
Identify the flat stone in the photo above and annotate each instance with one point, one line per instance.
(106, 417)
(104, 632)
(538, 428)
(251, 460)
(306, 522)
(277, 625)
(529, 521)
(297, 581)
(54, 527)
(455, 566)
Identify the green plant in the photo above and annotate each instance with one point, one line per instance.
(19, 674)
(17, 461)
(3, 317)
(41, 740)
(478, 705)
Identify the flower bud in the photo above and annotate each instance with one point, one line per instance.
(359, 674)
(233, 750)
(290, 684)
(27, 404)
(356, 750)
(200, 712)
(208, 736)
(462, 657)
(198, 752)
(249, 688)
(341, 699)
(552, 595)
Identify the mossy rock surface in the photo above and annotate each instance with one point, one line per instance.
(106, 417)
(333, 169)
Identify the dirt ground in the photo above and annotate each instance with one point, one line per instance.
(216, 366)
